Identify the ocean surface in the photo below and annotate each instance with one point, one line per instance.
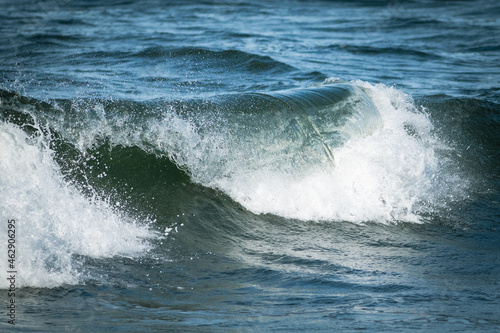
(212, 166)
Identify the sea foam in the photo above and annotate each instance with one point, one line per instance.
(54, 221)
(394, 174)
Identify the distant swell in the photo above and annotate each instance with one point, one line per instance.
(385, 51)
(194, 57)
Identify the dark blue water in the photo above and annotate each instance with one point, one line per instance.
(264, 166)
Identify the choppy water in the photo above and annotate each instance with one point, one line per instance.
(208, 166)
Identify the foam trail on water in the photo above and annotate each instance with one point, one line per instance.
(54, 222)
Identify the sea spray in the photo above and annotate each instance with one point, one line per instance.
(54, 221)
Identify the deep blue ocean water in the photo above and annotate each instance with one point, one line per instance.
(250, 166)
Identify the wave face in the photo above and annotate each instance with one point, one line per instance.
(286, 133)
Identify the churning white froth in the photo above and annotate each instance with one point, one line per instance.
(394, 174)
(54, 222)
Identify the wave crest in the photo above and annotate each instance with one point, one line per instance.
(338, 151)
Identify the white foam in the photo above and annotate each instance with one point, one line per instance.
(54, 222)
(391, 175)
